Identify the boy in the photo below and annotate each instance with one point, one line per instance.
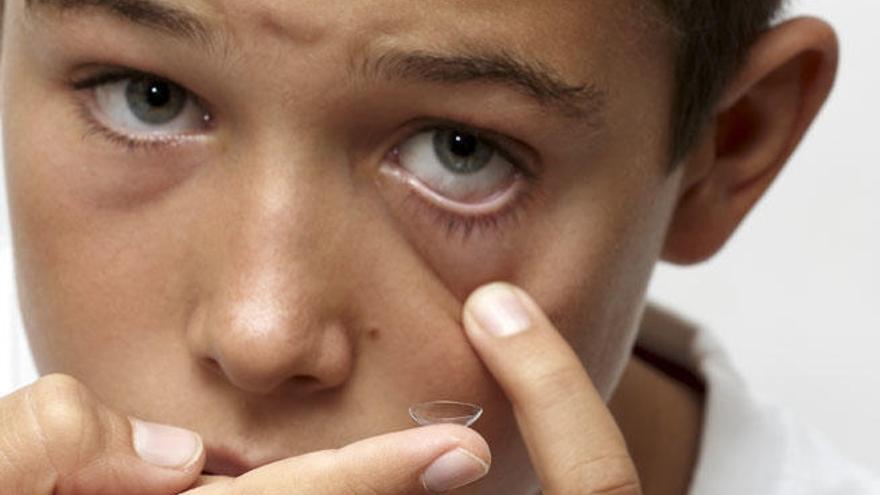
(274, 226)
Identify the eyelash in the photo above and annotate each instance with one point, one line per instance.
(452, 223)
(466, 226)
(95, 127)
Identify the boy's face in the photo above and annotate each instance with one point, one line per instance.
(290, 277)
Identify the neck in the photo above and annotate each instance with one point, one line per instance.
(658, 405)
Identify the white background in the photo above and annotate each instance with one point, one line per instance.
(794, 296)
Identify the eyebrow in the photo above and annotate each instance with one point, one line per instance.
(575, 101)
(582, 102)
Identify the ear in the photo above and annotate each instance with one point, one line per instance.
(757, 124)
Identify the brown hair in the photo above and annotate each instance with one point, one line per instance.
(713, 37)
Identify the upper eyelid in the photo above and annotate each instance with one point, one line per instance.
(108, 75)
(111, 74)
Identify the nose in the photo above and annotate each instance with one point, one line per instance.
(270, 315)
(266, 329)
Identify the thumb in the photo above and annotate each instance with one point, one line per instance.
(430, 459)
(66, 442)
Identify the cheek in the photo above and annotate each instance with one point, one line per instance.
(91, 278)
(418, 338)
(588, 261)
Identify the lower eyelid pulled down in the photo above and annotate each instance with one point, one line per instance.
(463, 227)
(462, 221)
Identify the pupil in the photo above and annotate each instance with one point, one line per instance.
(463, 145)
(158, 94)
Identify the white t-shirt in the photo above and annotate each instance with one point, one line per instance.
(746, 448)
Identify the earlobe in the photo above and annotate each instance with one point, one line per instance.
(757, 124)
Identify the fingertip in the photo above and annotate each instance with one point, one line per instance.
(167, 446)
(497, 309)
(466, 460)
(485, 290)
(463, 437)
(452, 470)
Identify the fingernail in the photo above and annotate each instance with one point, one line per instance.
(499, 310)
(454, 469)
(166, 446)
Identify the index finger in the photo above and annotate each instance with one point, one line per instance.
(572, 438)
(429, 459)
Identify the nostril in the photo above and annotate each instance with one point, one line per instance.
(306, 383)
(212, 365)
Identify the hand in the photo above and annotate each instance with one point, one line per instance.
(573, 441)
(57, 438)
(430, 459)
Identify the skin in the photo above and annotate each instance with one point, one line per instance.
(198, 284)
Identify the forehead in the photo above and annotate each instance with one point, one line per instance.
(308, 20)
(556, 28)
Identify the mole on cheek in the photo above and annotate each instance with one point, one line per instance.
(373, 334)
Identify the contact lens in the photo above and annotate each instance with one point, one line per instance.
(445, 411)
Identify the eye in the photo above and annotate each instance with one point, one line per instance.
(144, 106)
(457, 164)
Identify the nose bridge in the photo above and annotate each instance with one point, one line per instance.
(274, 314)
